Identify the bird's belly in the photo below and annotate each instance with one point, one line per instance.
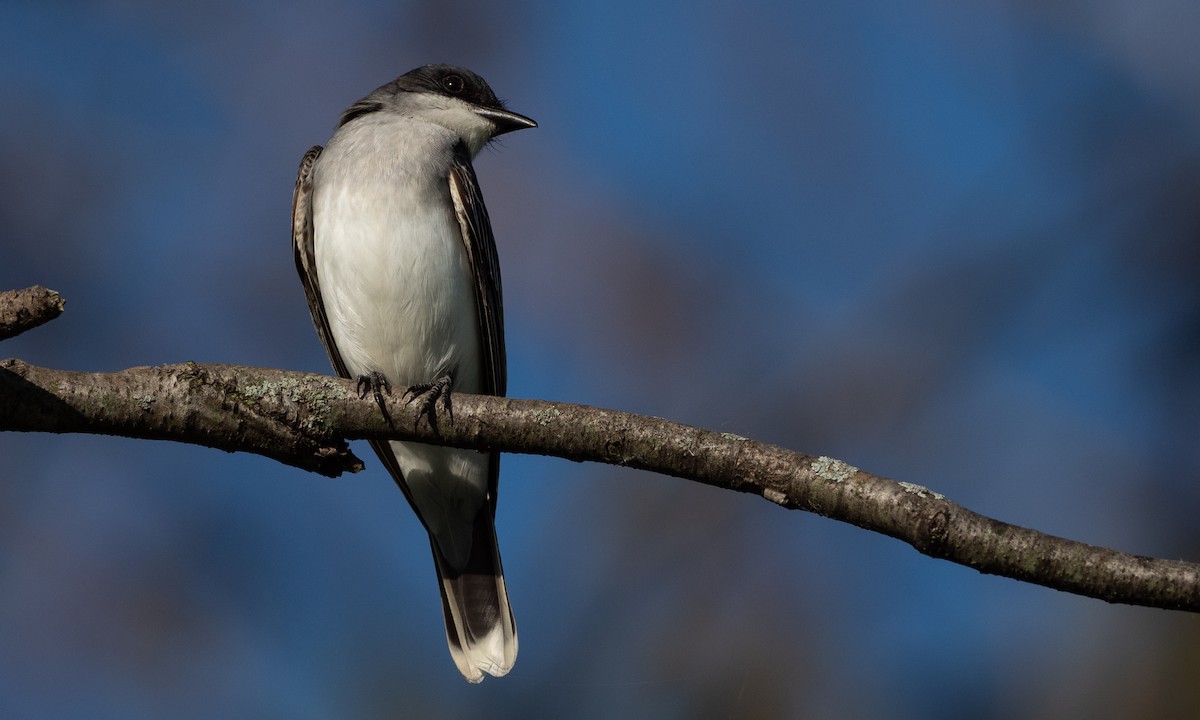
(398, 291)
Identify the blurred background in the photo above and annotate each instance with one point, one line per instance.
(951, 243)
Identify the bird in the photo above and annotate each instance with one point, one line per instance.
(395, 251)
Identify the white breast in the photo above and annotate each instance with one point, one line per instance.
(390, 261)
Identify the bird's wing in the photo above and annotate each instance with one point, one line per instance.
(306, 259)
(485, 266)
(481, 255)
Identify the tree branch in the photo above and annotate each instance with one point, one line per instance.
(21, 310)
(303, 420)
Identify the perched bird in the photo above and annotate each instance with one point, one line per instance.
(395, 251)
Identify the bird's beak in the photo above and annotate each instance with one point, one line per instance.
(504, 120)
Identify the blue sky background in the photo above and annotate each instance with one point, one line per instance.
(951, 243)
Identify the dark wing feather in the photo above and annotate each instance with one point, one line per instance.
(481, 254)
(306, 259)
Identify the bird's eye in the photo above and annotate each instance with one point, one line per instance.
(453, 84)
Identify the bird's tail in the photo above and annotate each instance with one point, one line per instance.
(479, 623)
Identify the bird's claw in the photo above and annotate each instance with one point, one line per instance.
(439, 388)
(377, 384)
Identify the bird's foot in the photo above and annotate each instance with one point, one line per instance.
(377, 384)
(431, 391)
